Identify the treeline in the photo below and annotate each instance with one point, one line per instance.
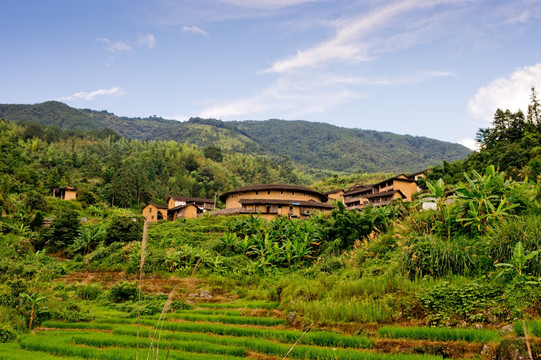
(512, 144)
(106, 167)
(318, 146)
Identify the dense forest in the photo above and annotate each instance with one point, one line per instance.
(314, 145)
(106, 167)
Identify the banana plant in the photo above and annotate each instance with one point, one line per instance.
(515, 269)
(246, 245)
(31, 306)
(482, 199)
(228, 241)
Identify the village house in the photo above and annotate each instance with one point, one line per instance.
(274, 200)
(188, 211)
(417, 176)
(154, 212)
(205, 204)
(177, 207)
(335, 195)
(65, 193)
(400, 187)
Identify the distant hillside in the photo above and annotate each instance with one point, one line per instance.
(317, 145)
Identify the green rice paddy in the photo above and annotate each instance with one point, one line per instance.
(215, 332)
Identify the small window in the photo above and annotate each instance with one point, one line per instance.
(257, 192)
(304, 194)
(149, 210)
(281, 193)
(268, 192)
(280, 207)
(293, 193)
(152, 217)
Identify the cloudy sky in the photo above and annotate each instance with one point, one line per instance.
(435, 68)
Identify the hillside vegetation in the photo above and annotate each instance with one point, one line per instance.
(314, 145)
(462, 281)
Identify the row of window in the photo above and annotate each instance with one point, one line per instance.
(268, 193)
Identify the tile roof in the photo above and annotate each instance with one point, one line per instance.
(267, 187)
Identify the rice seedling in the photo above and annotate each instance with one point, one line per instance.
(441, 334)
(79, 325)
(241, 305)
(322, 338)
(224, 319)
(533, 327)
(105, 340)
(272, 348)
(12, 351)
(211, 312)
(61, 345)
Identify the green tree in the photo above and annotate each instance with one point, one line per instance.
(64, 229)
(124, 229)
(214, 153)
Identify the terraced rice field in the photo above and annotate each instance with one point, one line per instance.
(218, 331)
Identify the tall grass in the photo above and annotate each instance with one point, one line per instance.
(441, 334)
(504, 235)
(350, 310)
(370, 287)
(430, 255)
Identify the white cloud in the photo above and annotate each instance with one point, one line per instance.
(116, 47)
(89, 96)
(470, 143)
(195, 30)
(350, 42)
(147, 40)
(511, 92)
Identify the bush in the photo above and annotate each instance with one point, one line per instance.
(471, 302)
(88, 292)
(7, 334)
(123, 291)
(124, 229)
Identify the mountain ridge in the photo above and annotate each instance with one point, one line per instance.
(315, 144)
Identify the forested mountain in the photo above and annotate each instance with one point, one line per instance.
(318, 145)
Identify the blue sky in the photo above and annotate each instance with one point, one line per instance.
(431, 68)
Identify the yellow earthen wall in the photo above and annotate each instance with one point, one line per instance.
(150, 213)
(190, 212)
(407, 188)
(232, 201)
(70, 195)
